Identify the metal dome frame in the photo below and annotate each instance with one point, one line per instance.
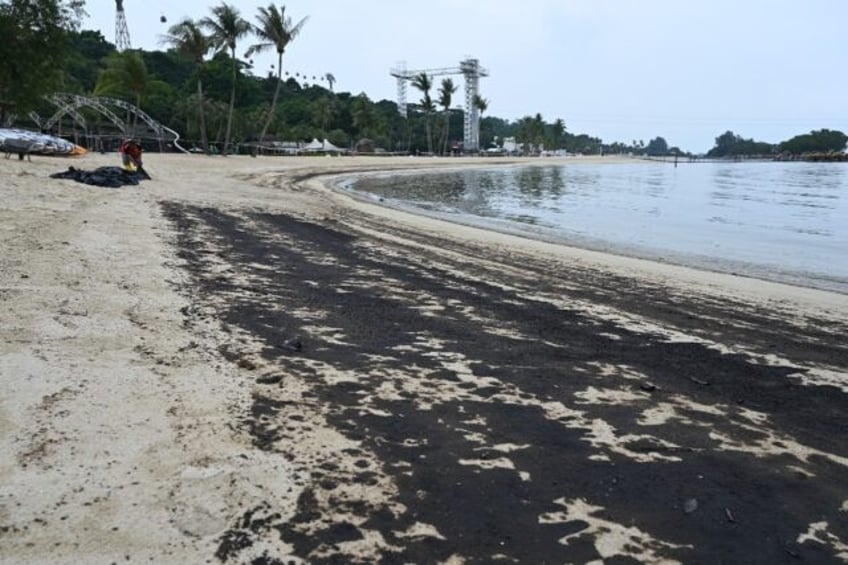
(70, 104)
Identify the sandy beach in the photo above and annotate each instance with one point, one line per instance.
(235, 362)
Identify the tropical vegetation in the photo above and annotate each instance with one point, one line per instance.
(200, 87)
(816, 142)
(33, 50)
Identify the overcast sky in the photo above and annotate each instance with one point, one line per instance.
(620, 70)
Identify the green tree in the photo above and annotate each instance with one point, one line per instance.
(482, 104)
(583, 143)
(657, 146)
(219, 116)
(530, 132)
(227, 27)
(126, 76)
(557, 133)
(322, 112)
(446, 92)
(294, 110)
(538, 131)
(729, 144)
(33, 49)
(819, 141)
(424, 83)
(493, 127)
(169, 66)
(331, 80)
(725, 145)
(277, 31)
(188, 39)
(365, 119)
(87, 51)
(524, 133)
(339, 138)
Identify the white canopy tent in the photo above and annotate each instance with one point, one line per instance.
(316, 146)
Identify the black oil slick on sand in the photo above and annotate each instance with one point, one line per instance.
(500, 420)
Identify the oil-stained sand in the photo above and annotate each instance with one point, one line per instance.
(233, 363)
(512, 411)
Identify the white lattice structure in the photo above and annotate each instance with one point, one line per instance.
(472, 71)
(72, 105)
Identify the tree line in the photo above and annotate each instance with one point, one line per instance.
(821, 141)
(198, 86)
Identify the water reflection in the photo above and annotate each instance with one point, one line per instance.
(790, 215)
(825, 177)
(656, 182)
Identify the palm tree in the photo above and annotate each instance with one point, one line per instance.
(127, 76)
(188, 39)
(331, 80)
(482, 104)
(323, 110)
(364, 117)
(524, 133)
(277, 31)
(538, 131)
(217, 112)
(557, 132)
(226, 27)
(424, 83)
(446, 93)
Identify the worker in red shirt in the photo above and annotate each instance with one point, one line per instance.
(130, 151)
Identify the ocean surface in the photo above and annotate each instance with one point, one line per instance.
(786, 222)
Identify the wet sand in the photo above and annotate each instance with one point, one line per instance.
(233, 362)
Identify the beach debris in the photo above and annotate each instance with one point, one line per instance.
(293, 344)
(269, 379)
(698, 381)
(245, 363)
(729, 514)
(690, 505)
(648, 387)
(112, 177)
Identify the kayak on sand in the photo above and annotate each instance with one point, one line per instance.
(13, 140)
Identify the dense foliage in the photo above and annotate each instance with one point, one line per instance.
(33, 49)
(729, 144)
(820, 141)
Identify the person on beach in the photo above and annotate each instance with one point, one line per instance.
(130, 151)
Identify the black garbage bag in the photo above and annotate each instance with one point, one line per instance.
(112, 177)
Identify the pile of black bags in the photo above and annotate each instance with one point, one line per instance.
(112, 177)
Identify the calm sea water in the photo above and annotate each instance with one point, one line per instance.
(779, 221)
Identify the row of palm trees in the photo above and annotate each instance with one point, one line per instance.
(533, 133)
(223, 31)
(424, 83)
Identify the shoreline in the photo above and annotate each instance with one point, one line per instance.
(760, 271)
(617, 259)
(234, 361)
